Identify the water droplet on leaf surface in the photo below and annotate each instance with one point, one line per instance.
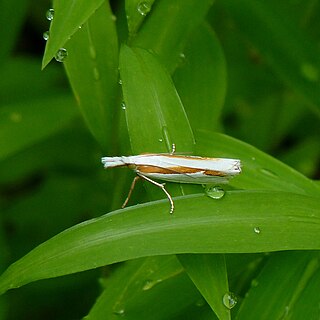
(256, 230)
(144, 8)
(46, 35)
(214, 192)
(61, 55)
(50, 14)
(149, 284)
(229, 300)
(119, 312)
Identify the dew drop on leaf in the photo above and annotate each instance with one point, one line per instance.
(214, 192)
(229, 300)
(46, 35)
(119, 312)
(257, 230)
(144, 8)
(50, 14)
(61, 55)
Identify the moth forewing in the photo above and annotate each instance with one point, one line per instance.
(175, 168)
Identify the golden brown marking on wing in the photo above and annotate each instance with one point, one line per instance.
(178, 170)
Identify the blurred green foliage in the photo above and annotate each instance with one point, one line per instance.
(144, 75)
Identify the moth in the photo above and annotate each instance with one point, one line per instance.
(175, 168)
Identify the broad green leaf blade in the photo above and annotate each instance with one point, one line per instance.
(92, 68)
(156, 286)
(25, 123)
(201, 79)
(290, 51)
(68, 17)
(136, 12)
(293, 272)
(259, 170)
(239, 222)
(168, 26)
(209, 274)
(155, 115)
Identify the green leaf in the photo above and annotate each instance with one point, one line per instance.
(209, 274)
(239, 222)
(168, 26)
(259, 170)
(143, 287)
(92, 69)
(289, 50)
(68, 17)
(201, 78)
(25, 123)
(296, 273)
(155, 116)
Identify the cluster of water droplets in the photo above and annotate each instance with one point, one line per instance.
(62, 52)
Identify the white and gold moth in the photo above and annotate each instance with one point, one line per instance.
(176, 168)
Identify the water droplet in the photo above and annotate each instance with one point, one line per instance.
(15, 117)
(182, 59)
(229, 300)
(144, 8)
(119, 312)
(214, 192)
(160, 140)
(46, 35)
(61, 55)
(80, 26)
(254, 283)
(268, 173)
(50, 14)
(120, 81)
(285, 312)
(123, 105)
(310, 72)
(96, 74)
(256, 230)
(149, 284)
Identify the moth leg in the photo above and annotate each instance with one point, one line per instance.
(134, 181)
(160, 185)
